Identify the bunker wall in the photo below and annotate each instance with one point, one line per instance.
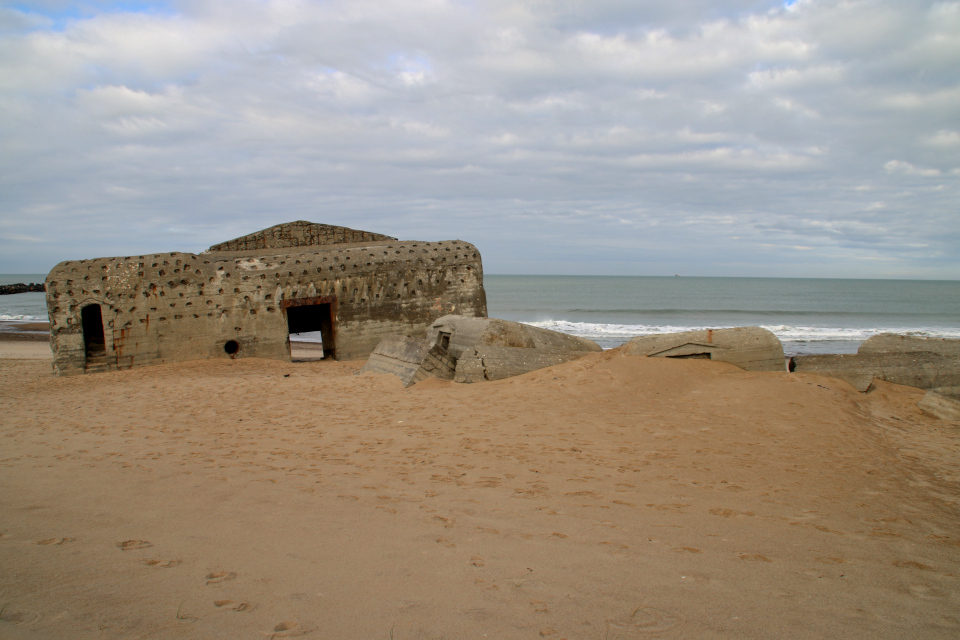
(174, 306)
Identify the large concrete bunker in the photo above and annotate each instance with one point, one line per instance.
(246, 297)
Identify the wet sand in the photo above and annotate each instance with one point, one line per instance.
(611, 497)
(14, 330)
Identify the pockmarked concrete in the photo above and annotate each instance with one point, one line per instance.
(750, 348)
(352, 287)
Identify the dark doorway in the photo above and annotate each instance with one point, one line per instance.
(313, 315)
(91, 319)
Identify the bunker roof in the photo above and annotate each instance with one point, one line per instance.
(299, 234)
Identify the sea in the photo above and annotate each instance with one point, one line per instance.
(809, 315)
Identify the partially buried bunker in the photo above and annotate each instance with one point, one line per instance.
(245, 297)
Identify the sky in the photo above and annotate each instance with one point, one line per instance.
(812, 138)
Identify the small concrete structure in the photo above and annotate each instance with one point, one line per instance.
(750, 348)
(245, 297)
(411, 359)
(925, 363)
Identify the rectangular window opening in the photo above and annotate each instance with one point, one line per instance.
(311, 320)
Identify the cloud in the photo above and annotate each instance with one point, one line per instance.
(899, 166)
(553, 134)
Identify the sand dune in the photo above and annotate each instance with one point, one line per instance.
(611, 497)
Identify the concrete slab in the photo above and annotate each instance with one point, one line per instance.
(924, 363)
(488, 362)
(410, 359)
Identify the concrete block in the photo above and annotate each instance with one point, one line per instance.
(410, 359)
(487, 362)
(940, 406)
(458, 333)
(750, 348)
(895, 343)
(920, 369)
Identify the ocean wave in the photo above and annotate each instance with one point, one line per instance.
(786, 333)
(21, 318)
(720, 312)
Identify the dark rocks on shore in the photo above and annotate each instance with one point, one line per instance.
(7, 289)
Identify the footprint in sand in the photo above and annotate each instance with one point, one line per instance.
(55, 541)
(18, 617)
(130, 545)
(234, 606)
(164, 565)
(754, 557)
(216, 578)
(290, 629)
(644, 621)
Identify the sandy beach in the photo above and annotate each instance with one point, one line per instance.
(612, 497)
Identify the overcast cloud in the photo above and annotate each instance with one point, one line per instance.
(736, 137)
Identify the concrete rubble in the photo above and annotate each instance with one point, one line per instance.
(458, 333)
(476, 350)
(487, 362)
(494, 349)
(750, 348)
(924, 363)
(411, 359)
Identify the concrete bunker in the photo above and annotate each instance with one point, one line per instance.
(246, 297)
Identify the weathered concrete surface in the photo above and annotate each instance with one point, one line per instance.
(949, 392)
(924, 363)
(750, 348)
(488, 362)
(458, 334)
(940, 406)
(895, 343)
(172, 307)
(298, 234)
(411, 359)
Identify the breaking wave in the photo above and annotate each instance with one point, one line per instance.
(795, 338)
